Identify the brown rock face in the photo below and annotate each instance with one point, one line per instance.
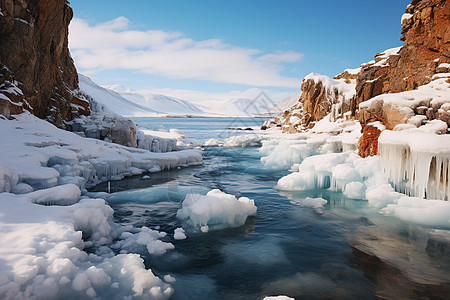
(315, 103)
(426, 36)
(34, 49)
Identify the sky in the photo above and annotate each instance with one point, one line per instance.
(217, 50)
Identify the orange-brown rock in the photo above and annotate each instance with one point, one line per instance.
(368, 143)
(34, 48)
(426, 36)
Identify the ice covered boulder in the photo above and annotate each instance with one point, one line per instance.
(215, 210)
(67, 194)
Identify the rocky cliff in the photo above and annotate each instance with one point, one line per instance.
(36, 70)
(424, 57)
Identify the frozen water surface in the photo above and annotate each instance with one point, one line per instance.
(296, 245)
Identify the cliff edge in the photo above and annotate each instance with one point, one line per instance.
(37, 72)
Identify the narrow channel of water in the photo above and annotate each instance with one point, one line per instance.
(351, 251)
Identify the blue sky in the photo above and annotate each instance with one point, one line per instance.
(203, 50)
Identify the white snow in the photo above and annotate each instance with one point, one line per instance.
(406, 16)
(382, 58)
(435, 92)
(444, 65)
(278, 298)
(215, 210)
(353, 71)
(111, 101)
(287, 103)
(160, 103)
(36, 153)
(42, 253)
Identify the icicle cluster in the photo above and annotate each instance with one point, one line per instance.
(421, 174)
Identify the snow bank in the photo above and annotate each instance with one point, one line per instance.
(43, 258)
(434, 94)
(286, 151)
(175, 139)
(215, 210)
(153, 143)
(246, 140)
(36, 155)
(363, 178)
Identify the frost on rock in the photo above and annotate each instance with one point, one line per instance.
(215, 210)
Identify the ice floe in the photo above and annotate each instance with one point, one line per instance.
(215, 210)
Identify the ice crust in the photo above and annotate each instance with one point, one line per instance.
(46, 226)
(43, 258)
(215, 210)
(363, 178)
(36, 155)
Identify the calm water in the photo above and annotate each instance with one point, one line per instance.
(350, 251)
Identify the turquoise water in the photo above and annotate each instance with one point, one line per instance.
(351, 251)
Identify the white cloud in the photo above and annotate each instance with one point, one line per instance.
(112, 45)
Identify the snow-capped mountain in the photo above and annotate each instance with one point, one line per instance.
(287, 102)
(131, 103)
(161, 103)
(112, 101)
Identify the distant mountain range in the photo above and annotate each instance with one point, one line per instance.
(130, 103)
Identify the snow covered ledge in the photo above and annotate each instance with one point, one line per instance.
(36, 155)
(416, 162)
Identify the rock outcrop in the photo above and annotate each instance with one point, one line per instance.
(426, 50)
(320, 96)
(35, 59)
(424, 57)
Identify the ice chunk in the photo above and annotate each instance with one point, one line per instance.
(215, 210)
(278, 298)
(145, 237)
(314, 203)
(59, 195)
(249, 140)
(179, 234)
(421, 211)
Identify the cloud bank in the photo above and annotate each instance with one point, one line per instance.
(113, 45)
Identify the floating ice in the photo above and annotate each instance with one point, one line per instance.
(314, 203)
(179, 234)
(278, 298)
(215, 210)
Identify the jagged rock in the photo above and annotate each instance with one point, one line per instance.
(320, 96)
(368, 144)
(426, 36)
(425, 53)
(34, 48)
